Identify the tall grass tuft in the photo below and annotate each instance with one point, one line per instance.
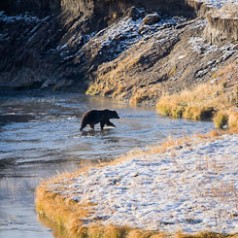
(233, 119)
(202, 101)
(220, 120)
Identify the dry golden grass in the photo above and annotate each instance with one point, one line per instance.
(220, 120)
(233, 119)
(193, 104)
(64, 218)
(65, 213)
(226, 118)
(109, 80)
(205, 235)
(144, 234)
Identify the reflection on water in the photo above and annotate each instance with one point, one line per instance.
(39, 136)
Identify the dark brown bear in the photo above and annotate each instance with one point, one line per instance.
(95, 116)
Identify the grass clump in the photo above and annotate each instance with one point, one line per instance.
(170, 109)
(98, 231)
(233, 119)
(220, 120)
(64, 213)
(184, 111)
(205, 235)
(198, 113)
(196, 104)
(217, 101)
(226, 119)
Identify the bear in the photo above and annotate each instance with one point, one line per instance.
(95, 116)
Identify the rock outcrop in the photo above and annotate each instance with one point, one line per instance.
(134, 50)
(44, 43)
(168, 61)
(151, 19)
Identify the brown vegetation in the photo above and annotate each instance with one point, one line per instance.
(216, 99)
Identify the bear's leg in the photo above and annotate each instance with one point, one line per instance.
(91, 126)
(82, 126)
(108, 123)
(102, 124)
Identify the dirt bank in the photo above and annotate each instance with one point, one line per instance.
(173, 58)
(44, 43)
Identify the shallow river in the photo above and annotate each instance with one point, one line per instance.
(39, 137)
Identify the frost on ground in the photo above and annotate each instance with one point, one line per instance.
(13, 19)
(201, 47)
(218, 3)
(189, 188)
(119, 36)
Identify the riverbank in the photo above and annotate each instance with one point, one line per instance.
(182, 187)
(215, 100)
(134, 51)
(40, 138)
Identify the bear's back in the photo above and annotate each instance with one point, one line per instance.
(93, 116)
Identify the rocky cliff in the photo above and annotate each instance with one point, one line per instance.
(134, 50)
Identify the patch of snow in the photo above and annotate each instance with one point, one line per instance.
(227, 53)
(181, 57)
(189, 188)
(12, 19)
(126, 32)
(3, 36)
(200, 46)
(218, 3)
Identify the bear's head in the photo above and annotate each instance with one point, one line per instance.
(111, 114)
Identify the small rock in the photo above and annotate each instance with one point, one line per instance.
(143, 29)
(135, 13)
(151, 19)
(235, 47)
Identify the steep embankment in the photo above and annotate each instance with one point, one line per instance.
(133, 50)
(52, 43)
(171, 59)
(217, 97)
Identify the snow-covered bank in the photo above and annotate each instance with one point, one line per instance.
(218, 3)
(191, 187)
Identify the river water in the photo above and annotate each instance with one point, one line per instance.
(39, 137)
